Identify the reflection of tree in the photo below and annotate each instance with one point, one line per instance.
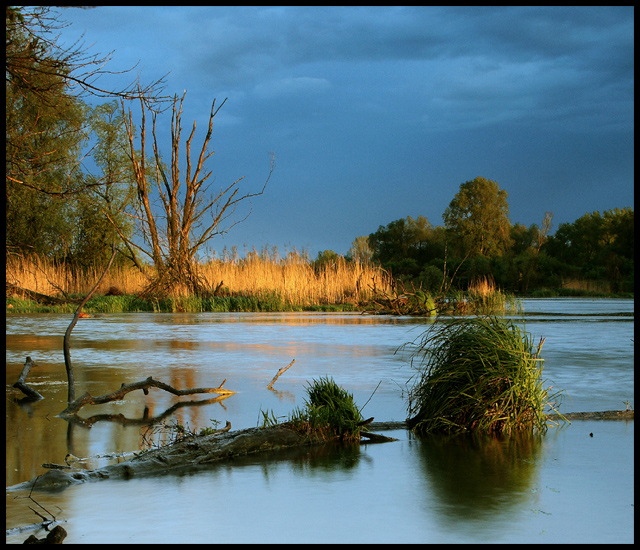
(475, 477)
(146, 419)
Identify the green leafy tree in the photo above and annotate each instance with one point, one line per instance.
(326, 258)
(45, 132)
(104, 213)
(477, 219)
(402, 239)
(360, 250)
(47, 126)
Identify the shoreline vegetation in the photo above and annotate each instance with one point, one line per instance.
(258, 283)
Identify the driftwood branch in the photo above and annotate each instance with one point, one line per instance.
(144, 385)
(269, 386)
(37, 296)
(22, 385)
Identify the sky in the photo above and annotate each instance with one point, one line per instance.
(378, 113)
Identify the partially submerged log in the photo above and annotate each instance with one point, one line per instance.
(197, 452)
(189, 454)
(598, 415)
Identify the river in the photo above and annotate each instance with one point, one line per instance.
(571, 485)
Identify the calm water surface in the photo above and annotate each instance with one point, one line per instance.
(563, 487)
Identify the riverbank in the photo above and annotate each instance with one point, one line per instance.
(262, 302)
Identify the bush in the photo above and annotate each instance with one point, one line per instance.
(479, 374)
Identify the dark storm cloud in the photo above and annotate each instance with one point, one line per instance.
(376, 113)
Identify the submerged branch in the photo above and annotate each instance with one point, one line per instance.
(22, 385)
(71, 393)
(282, 369)
(144, 385)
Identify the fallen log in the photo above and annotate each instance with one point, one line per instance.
(190, 454)
(37, 296)
(376, 438)
(598, 415)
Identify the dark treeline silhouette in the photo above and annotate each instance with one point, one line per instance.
(594, 254)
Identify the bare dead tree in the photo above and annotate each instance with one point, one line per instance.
(544, 230)
(177, 213)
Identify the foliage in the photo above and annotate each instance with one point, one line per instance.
(45, 131)
(595, 254)
(478, 374)
(269, 419)
(402, 239)
(601, 246)
(330, 410)
(325, 258)
(56, 206)
(478, 218)
(360, 250)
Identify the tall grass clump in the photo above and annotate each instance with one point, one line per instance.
(329, 411)
(478, 374)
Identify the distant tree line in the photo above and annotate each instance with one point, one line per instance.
(478, 240)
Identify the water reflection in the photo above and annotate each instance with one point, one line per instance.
(408, 491)
(473, 478)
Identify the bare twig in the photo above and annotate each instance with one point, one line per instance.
(374, 391)
(269, 386)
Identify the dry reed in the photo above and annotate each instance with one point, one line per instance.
(293, 278)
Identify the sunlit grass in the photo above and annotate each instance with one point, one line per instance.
(485, 298)
(259, 282)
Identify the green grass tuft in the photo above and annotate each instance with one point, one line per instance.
(329, 409)
(478, 374)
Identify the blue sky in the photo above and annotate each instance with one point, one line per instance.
(378, 113)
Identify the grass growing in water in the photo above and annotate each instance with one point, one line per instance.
(329, 410)
(478, 374)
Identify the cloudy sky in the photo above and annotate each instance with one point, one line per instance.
(378, 113)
